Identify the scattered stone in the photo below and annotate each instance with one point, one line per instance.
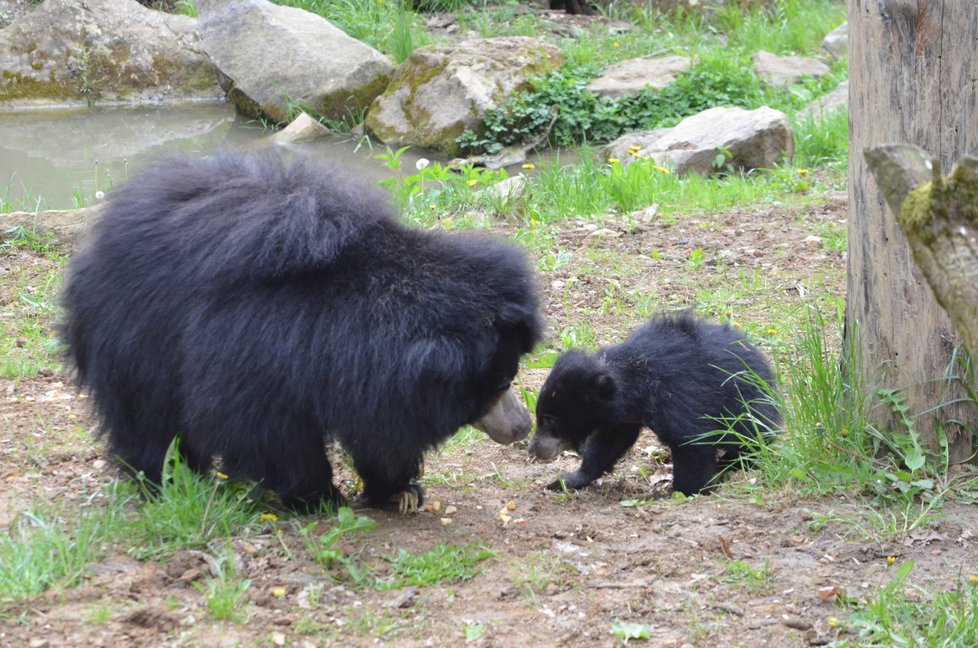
(442, 90)
(629, 77)
(837, 99)
(785, 70)
(404, 599)
(151, 618)
(836, 43)
(795, 622)
(747, 139)
(303, 128)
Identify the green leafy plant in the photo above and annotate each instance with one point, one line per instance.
(625, 630)
(190, 510)
(225, 591)
(324, 549)
(905, 614)
(721, 80)
(443, 563)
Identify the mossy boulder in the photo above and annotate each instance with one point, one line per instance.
(442, 90)
(104, 51)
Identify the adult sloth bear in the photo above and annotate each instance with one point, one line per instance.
(256, 307)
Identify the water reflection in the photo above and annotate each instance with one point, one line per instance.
(57, 158)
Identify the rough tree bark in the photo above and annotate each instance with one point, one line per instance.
(912, 79)
(940, 219)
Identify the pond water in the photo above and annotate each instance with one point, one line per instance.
(58, 159)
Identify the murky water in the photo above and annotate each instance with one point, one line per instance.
(58, 159)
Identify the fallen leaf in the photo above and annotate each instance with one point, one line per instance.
(725, 547)
(830, 592)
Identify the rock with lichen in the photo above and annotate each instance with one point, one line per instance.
(442, 90)
(102, 51)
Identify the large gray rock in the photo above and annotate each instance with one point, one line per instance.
(105, 51)
(785, 70)
(628, 77)
(749, 139)
(836, 44)
(271, 58)
(442, 90)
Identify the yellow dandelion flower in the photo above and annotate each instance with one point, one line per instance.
(833, 622)
(890, 560)
(802, 171)
(268, 517)
(279, 592)
(973, 579)
(738, 325)
(634, 153)
(772, 331)
(529, 165)
(662, 169)
(220, 475)
(635, 147)
(613, 160)
(616, 44)
(473, 182)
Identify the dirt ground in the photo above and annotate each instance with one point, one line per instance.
(565, 568)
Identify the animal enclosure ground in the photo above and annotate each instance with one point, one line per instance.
(742, 567)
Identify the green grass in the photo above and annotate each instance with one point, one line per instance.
(536, 571)
(902, 613)
(822, 141)
(29, 343)
(45, 548)
(190, 510)
(390, 27)
(224, 593)
(443, 564)
(746, 576)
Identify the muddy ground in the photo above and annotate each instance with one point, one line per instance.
(741, 567)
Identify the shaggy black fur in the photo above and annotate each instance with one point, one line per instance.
(258, 307)
(676, 375)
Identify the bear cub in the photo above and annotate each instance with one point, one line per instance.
(685, 378)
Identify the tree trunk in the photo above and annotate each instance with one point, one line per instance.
(912, 69)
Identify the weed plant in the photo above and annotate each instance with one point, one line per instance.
(190, 510)
(224, 593)
(43, 549)
(902, 613)
(444, 563)
(829, 445)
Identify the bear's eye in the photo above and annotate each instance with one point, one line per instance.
(503, 385)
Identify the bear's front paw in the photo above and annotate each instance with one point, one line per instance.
(569, 481)
(410, 499)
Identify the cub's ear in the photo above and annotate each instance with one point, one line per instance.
(603, 386)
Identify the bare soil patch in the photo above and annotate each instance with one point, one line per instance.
(716, 570)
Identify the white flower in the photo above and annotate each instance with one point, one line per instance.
(99, 195)
(421, 163)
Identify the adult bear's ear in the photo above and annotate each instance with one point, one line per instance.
(603, 386)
